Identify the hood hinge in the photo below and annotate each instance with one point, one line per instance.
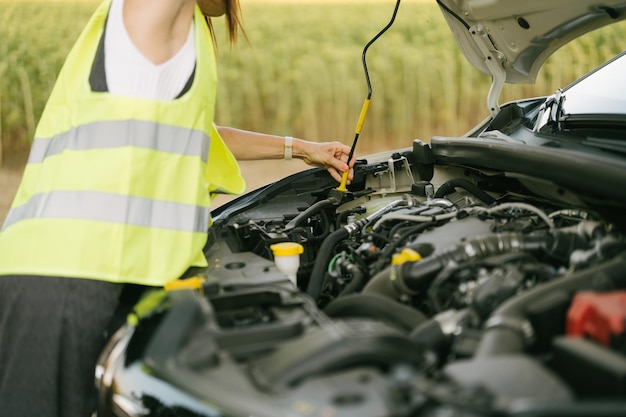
(494, 61)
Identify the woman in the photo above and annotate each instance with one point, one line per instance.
(116, 192)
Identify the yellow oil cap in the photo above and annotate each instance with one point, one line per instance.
(407, 255)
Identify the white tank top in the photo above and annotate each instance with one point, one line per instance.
(130, 73)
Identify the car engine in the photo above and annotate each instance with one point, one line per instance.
(426, 289)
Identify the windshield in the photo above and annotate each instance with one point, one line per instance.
(601, 92)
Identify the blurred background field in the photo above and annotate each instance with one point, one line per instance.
(300, 74)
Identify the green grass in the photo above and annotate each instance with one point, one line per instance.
(302, 73)
(34, 41)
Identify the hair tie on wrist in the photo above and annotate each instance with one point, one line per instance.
(288, 148)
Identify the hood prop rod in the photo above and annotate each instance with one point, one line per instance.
(366, 103)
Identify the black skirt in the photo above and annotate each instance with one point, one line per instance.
(52, 331)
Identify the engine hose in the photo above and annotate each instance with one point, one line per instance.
(416, 277)
(314, 288)
(355, 283)
(320, 205)
(375, 307)
(316, 280)
(430, 337)
(508, 330)
(449, 186)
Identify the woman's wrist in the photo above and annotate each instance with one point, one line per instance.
(288, 152)
(298, 148)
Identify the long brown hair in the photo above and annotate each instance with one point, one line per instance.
(234, 22)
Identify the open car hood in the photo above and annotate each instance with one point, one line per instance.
(511, 39)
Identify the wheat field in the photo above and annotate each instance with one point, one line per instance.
(301, 72)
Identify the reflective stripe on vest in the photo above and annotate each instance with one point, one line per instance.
(117, 134)
(112, 208)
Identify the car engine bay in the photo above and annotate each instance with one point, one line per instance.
(425, 289)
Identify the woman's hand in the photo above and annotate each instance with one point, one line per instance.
(330, 155)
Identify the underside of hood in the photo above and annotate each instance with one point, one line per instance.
(511, 39)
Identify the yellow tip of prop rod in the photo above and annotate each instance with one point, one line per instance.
(359, 126)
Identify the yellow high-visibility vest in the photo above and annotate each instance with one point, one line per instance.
(116, 188)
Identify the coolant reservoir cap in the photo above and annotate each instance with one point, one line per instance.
(286, 249)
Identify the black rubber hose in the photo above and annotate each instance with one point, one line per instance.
(320, 205)
(418, 276)
(383, 283)
(375, 307)
(314, 287)
(431, 337)
(449, 187)
(355, 283)
(507, 330)
(403, 236)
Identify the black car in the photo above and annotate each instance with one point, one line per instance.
(482, 275)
